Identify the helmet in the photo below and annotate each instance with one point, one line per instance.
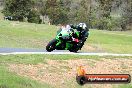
(82, 26)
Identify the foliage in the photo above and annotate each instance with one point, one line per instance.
(18, 9)
(56, 11)
(11, 80)
(98, 14)
(113, 15)
(33, 17)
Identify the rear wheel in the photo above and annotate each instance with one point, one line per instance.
(75, 48)
(51, 45)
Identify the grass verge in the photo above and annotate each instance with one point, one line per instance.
(27, 67)
(30, 35)
(11, 80)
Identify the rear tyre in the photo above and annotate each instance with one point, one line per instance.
(75, 48)
(51, 45)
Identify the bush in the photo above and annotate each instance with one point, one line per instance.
(111, 24)
(102, 23)
(34, 17)
(18, 9)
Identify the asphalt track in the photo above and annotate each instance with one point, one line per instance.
(15, 51)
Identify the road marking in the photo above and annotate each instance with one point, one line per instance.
(66, 53)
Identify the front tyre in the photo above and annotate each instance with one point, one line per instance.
(51, 45)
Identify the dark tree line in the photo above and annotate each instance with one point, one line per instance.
(100, 14)
(18, 9)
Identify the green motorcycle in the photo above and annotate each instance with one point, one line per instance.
(64, 41)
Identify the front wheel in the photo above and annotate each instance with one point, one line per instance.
(51, 45)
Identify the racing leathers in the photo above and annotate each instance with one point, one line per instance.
(83, 34)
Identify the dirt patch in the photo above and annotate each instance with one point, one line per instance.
(92, 48)
(88, 47)
(58, 72)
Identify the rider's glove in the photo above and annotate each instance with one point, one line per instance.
(75, 40)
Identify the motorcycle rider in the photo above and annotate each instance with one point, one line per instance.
(81, 28)
(83, 33)
(64, 27)
(67, 27)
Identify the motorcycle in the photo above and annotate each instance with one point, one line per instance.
(64, 41)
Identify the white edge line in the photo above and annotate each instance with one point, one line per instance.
(66, 53)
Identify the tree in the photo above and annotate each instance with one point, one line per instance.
(105, 6)
(83, 13)
(18, 9)
(126, 14)
(56, 11)
(104, 17)
(79, 11)
(34, 17)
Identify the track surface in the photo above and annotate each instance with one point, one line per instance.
(14, 51)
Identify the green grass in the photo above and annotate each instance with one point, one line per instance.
(109, 42)
(30, 35)
(25, 35)
(12, 80)
(35, 59)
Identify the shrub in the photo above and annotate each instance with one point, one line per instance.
(34, 17)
